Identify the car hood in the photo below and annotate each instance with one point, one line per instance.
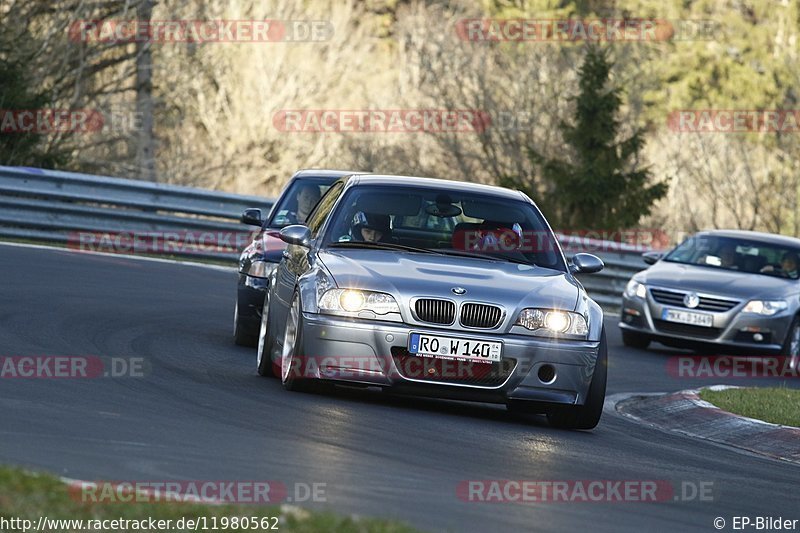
(739, 285)
(409, 274)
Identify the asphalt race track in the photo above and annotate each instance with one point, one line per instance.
(202, 413)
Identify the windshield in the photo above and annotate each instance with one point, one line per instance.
(444, 221)
(297, 202)
(727, 253)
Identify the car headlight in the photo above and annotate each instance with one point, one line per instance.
(765, 307)
(553, 323)
(355, 301)
(634, 288)
(260, 269)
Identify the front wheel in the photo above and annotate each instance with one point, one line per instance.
(292, 354)
(242, 335)
(266, 366)
(791, 347)
(586, 416)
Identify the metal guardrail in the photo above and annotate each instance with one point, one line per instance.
(53, 206)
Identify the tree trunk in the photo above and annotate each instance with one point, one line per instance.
(146, 146)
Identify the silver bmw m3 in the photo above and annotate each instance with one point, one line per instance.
(436, 288)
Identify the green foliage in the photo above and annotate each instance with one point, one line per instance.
(600, 183)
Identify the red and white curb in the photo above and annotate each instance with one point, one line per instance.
(685, 413)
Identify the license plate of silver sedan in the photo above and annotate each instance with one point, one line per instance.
(454, 348)
(688, 317)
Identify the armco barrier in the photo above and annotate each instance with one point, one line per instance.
(49, 206)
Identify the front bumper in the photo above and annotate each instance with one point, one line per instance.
(374, 353)
(731, 330)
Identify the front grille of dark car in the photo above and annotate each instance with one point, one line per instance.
(687, 329)
(435, 311)
(451, 372)
(480, 316)
(707, 303)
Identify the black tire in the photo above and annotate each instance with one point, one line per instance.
(632, 339)
(791, 346)
(243, 335)
(291, 381)
(586, 416)
(265, 346)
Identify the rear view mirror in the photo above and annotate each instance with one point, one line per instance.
(251, 217)
(296, 234)
(586, 264)
(651, 258)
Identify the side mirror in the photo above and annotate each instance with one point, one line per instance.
(296, 234)
(251, 217)
(651, 258)
(586, 264)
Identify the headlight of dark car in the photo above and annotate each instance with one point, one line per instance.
(553, 323)
(359, 303)
(260, 269)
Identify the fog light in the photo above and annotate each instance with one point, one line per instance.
(758, 337)
(547, 374)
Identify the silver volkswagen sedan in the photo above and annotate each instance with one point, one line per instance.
(724, 290)
(436, 288)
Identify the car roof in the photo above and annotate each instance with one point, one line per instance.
(767, 238)
(324, 173)
(436, 183)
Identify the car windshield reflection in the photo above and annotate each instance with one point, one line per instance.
(738, 255)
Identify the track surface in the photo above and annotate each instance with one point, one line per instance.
(201, 413)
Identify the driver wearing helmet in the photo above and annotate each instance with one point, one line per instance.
(369, 227)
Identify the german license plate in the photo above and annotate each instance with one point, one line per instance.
(454, 348)
(688, 317)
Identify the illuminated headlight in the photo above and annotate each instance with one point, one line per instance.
(634, 288)
(260, 269)
(765, 307)
(354, 301)
(551, 322)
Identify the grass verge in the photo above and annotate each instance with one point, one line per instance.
(27, 496)
(778, 405)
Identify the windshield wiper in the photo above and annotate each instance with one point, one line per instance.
(381, 246)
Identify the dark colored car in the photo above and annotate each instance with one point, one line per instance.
(433, 287)
(257, 260)
(724, 290)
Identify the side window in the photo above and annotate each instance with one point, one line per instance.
(320, 213)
